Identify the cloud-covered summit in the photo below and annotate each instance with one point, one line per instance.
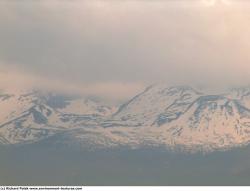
(126, 42)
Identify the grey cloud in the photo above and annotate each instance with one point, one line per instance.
(126, 41)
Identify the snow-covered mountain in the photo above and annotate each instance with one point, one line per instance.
(145, 108)
(32, 116)
(180, 117)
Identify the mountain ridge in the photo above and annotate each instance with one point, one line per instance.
(177, 116)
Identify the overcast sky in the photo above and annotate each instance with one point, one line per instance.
(117, 47)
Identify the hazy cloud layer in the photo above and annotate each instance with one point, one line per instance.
(15, 80)
(91, 42)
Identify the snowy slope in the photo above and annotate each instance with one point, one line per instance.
(184, 117)
(144, 109)
(83, 106)
(32, 116)
(179, 117)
